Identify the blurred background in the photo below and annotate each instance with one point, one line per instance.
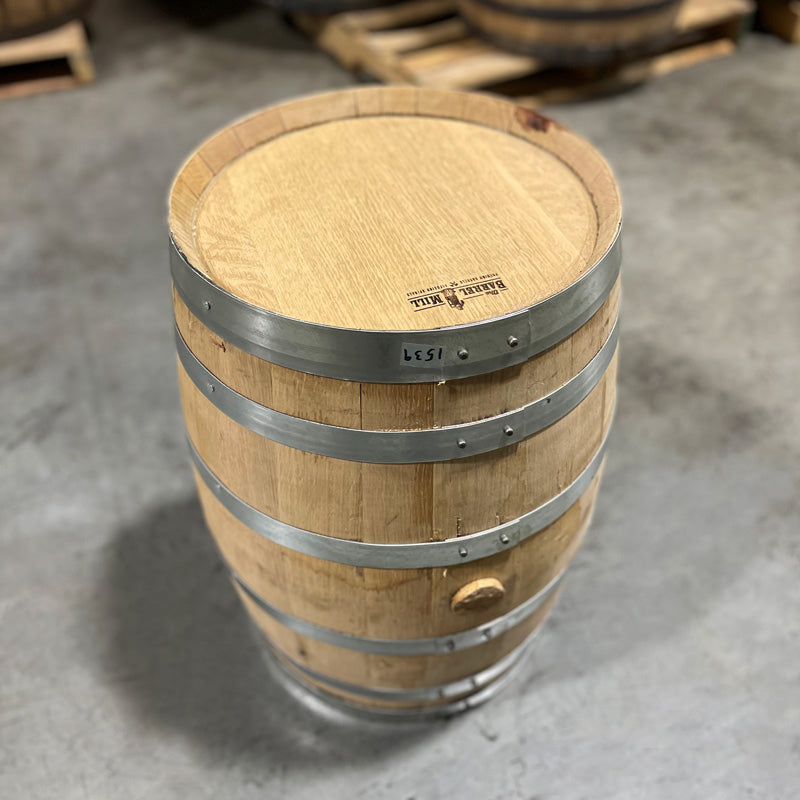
(669, 668)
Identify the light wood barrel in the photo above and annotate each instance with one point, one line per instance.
(573, 32)
(28, 17)
(396, 326)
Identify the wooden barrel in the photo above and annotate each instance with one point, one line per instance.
(396, 326)
(325, 7)
(573, 32)
(28, 17)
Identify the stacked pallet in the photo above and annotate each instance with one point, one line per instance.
(426, 43)
(43, 46)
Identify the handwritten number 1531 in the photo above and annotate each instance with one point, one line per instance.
(422, 355)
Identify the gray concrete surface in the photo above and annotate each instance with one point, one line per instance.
(127, 668)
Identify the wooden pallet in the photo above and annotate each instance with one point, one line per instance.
(57, 59)
(426, 43)
(781, 17)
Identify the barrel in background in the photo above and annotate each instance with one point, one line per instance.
(397, 463)
(324, 7)
(20, 18)
(573, 32)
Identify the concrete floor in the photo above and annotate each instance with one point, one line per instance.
(127, 667)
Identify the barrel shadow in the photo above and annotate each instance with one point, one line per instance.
(698, 486)
(667, 542)
(181, 652)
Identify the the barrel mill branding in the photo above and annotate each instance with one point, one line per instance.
(456, 293)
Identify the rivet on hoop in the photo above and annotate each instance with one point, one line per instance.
(451, 645)
(512, 341)
(463, 353)
(206, 305)
(462, 443)
(462, 551)
(508, 430)
(211, 387)
(504, 538)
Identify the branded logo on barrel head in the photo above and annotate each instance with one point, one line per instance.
(456, 293)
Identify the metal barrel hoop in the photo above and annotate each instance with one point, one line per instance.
(373, 356)
(399, 447)
(416, 555)
(442, 692)
(306, 691)
(472, 637)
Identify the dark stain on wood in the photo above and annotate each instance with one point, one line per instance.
(532, 121)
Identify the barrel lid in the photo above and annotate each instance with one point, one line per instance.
(389, 209)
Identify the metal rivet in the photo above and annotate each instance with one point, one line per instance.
(462, 551)
(463, 353)
(462, 443)
(512, 341)
(451, 645)
(206, 305)
(487, 634)
(508, 430)
(548, 400)
(211, 387)
(504, 538)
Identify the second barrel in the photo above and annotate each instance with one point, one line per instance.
(573, 32)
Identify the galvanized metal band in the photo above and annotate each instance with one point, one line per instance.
(445, 691)
(580, 14)
(399, 447)
(378, 356)
(404, 647)
(306, 692)
(417, 555)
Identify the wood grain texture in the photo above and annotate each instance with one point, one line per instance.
(412, 672)
(299, 209)
(334, 237)
(401, 672)
(407, 501)
(387, 503)
(387, 604)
